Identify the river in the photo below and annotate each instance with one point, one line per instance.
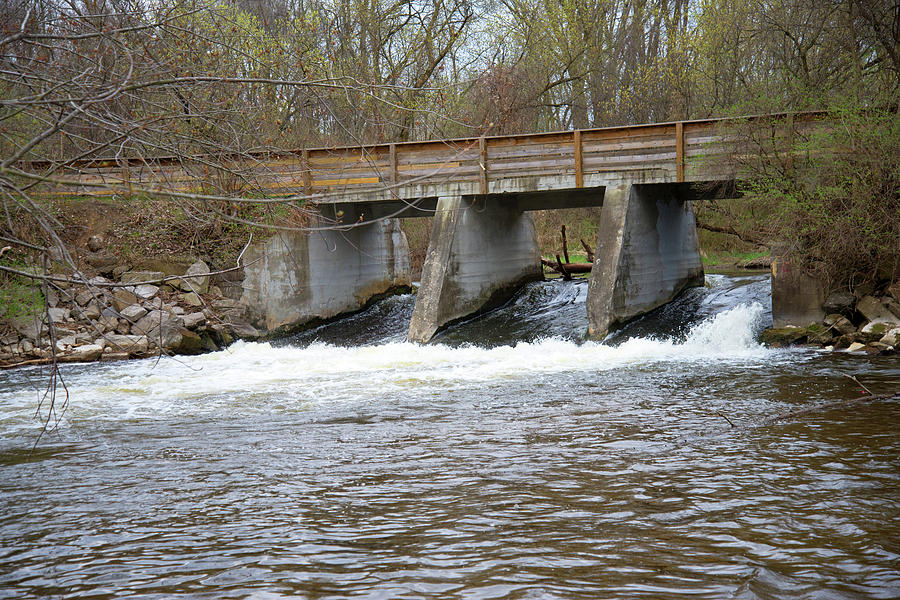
(509, 459)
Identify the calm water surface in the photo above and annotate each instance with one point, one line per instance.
(508, 460)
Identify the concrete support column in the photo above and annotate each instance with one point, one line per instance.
(647, 253)
(295, 278)
(482, 249)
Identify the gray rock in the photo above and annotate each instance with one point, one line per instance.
(191, 343)
(84, 297)
(122, 298)
(52, 297)
(91, 311)
(30, 327)
(161, 328)
(874, 331)
(839, 302)
(10, 338)
(119, 270)
(874, 310)
(26, 346)
(892, 337)
(132, 344)
(134, 312)
(894, 291)
(892, 305)
(145, 291)
(199, 278)
(59, 315)
(86, 353)
(124, 327)
(191, 299)
(840, 324)
(177, 310)
(194, 320)
(95, 243)
(106, 323)
(155, 277)
(244, 330)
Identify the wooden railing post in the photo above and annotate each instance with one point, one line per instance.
(679, 152)
(482, 146)
(579, 160)
(307, 173)
(393, 153)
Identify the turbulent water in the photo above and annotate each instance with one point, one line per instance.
(509, 459)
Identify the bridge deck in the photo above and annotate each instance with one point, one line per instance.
(687, 151)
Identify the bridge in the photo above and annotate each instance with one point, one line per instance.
(480, 191)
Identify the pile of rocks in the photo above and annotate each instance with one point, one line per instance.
(870, 324)
(135, 314)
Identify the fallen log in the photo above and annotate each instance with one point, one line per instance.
(570, 268)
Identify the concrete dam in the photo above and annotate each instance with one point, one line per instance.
(480, 192)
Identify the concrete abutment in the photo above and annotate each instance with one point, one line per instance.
(482, 250)
(294, 278)
(647, 253)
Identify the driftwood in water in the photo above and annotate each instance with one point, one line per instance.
(588, 251)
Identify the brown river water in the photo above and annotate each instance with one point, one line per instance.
(509, 459)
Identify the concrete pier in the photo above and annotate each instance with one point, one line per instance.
(647, 253)
(296, 278)
(482, 249)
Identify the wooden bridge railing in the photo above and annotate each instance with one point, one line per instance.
(689, 151)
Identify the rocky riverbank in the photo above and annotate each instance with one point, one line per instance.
(133, 314)
(869, 324)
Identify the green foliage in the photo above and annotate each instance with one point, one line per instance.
(836, 196)
(19, 298)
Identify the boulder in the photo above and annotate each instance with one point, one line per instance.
(840, 324)
(52, 297)
(819, 334)
(84, 297)
(194, 320)
(143, 277)
(855, 347)
(191, 343)
(892, 337)
(133, 312)
(199, 278)
(86, 353)
(132, 344)
(95, 243)
(107, 323)
(122, 298)
(145, 291)
(103, 262)
(783, 336)
(243, 330)
(59, 315)
(874, 310)
(191, 299)
(161, 327)
(840, 302)
(91, 311)
(892, 305)
(894, 291)
(874, 331)
(29, 327)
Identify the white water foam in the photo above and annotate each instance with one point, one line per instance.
(261, 377)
